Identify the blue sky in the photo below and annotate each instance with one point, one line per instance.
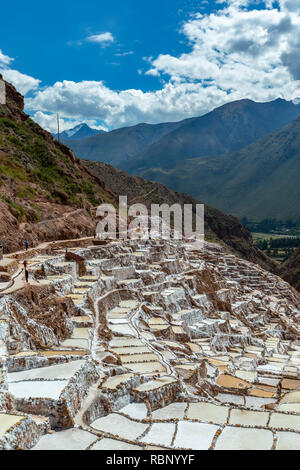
(118, 63)
(44, 38)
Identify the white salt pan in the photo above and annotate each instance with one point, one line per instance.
(71, 439)
(120, 426)
(47, 389)
(196, 436)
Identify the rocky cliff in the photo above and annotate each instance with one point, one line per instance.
(45, 191)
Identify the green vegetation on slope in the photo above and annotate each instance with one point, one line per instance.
(290, 270)
(260, 181)
(41, 181)
(120, 145)
(279, 248)
(27, 156)
(225, 129)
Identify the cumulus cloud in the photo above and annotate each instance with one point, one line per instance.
(291, 58)
(246, 3)
(245, 52)
(49, 122)
(96, 100)
(23, 83)
(290, 5)
(103, 39)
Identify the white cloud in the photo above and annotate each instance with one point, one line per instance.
(103, 39)
(246, 53)
(290, 5)
(96, 100)
(49, 122)
(123, 54)
(23, 83)
(246, 3)
(4, 59)
(234, 53)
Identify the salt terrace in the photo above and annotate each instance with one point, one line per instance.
(147, 345)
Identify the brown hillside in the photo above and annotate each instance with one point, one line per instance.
(45, 192)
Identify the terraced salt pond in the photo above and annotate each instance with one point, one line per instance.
(244, 439)
(133, 358)
(166, 368)
(160, 434)
(44, 382)
(122, 329)
(147, 367)
(26, 390)
(119, 426)
(75, 343)
(160, 382)
(137, 411)
(131, 350)
(59, 371)
(7, 421)
(70, 439)
(197, 436)
(113, 382)
(125, 342)
(172, 411)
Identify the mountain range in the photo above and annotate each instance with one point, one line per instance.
(228, 128)
(81, 131)
(219, 227)
(46, 193)
(260, 181)
(121, 145)
(209, 156)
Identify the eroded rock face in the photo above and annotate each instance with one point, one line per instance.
(150, 343)
(36, 318)
(14, 102)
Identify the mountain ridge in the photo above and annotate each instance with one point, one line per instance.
(259, 181)
(227, 128)
(46, 193)
(81, 131)
(139, 147)
(219, 227)
(120, 144)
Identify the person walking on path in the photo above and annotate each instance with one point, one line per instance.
(25, 264)
(43, 272)
(26, 275)
(279, 388)
(26, 245)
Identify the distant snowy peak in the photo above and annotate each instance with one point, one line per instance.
(71, 132)
(81, 131)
